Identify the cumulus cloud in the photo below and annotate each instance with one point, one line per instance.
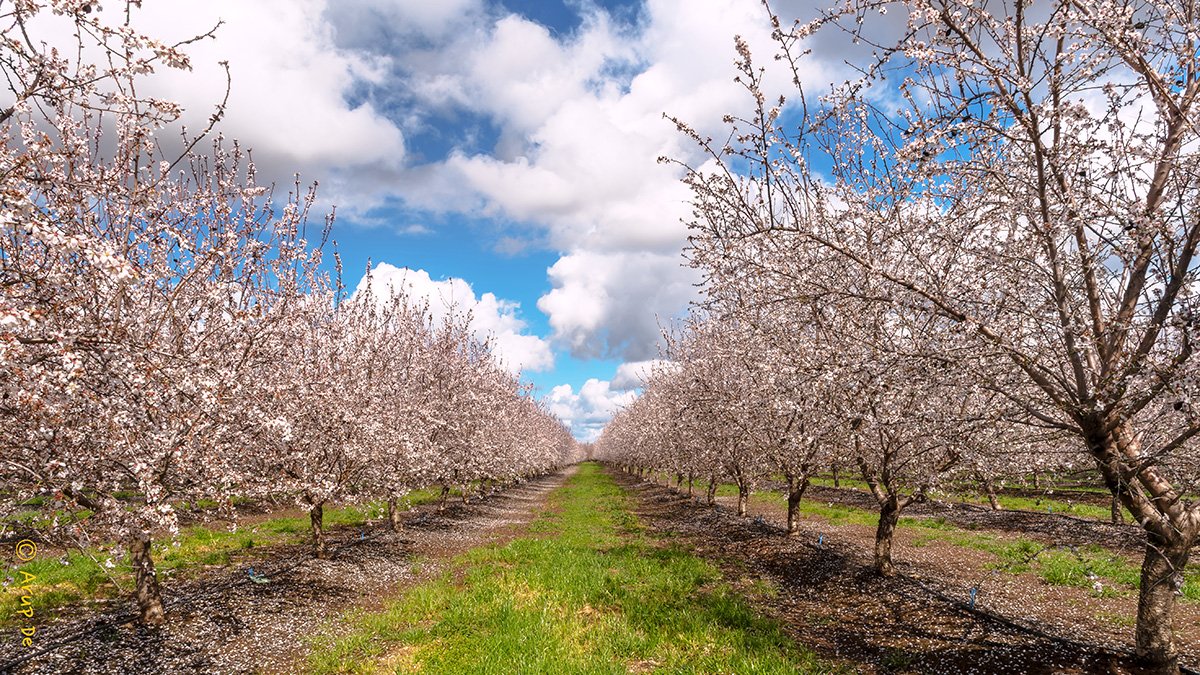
(587, 411)
(633, 374)
(490, 316)
(365, 23)
(290, 92)
(611, 304)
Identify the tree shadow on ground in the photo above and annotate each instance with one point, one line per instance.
(832, 601)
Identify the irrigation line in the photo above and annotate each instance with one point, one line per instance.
(177, 601)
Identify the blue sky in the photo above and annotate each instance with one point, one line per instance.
(465, 245)
(502, 151)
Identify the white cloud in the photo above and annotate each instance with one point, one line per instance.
(490, 316)
(587, 411)
(366, 22)
(414, 229)
(560, 133)
(288, 98)
(633, 374)
(607, 304)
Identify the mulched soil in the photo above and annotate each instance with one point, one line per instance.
(830, 599)
(225, 623)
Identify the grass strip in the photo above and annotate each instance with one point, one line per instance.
(587, 590)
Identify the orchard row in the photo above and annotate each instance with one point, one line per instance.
(169, 334)
(977, 255)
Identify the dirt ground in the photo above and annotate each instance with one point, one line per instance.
(225, 623)
(826, 593)
(918, 622)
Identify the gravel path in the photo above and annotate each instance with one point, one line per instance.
(225, 623)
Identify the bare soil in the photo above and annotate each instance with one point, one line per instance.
(224, 622)
(920, 621)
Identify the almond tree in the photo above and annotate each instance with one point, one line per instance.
(908, 420)
(712, 389)
(166, 331)
(450, 386)
(796, 421)
(401, 454)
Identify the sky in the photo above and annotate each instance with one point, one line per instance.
(498, 155)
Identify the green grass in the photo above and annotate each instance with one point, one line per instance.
(840, 514)
(1044, 504)
(585, 591)
(843, 482)
(965, 494)
(58, 581)
(1054, 566)
(75, 577)
(727, 490)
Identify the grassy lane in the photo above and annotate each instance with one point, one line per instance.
(587, 590)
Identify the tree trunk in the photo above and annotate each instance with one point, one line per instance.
(1171, 531)
(678, 480)
(1162, 572)
(691, 485)
(1037, 481)
(743, 497)
(711, 496)
(465, 491)
(796, 490)
(1118, 514)
(316, 519)
(147, 591)
(989, 489)
(991, 495)
(442, 500)
(837, 481)
(889, 516)
(393, 516)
